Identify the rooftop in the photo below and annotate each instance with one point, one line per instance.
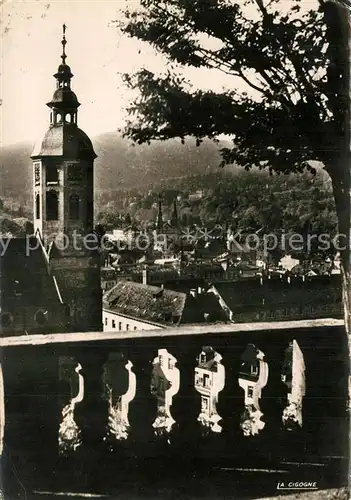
(64, 140)
(146, 302)
(278, 291)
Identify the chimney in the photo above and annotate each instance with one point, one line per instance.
(145, 275)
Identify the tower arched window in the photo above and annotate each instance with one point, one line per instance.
(74, 207)
(37, 206)
(58, 118)
(51, 205)
(52, 175)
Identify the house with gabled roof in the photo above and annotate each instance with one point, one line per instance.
(137, 306)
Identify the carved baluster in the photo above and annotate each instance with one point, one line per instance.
(165, 381)
(293, 376)
(253, 378)
(120, 388)
(209, 382)
(2, 411)
(72, 392)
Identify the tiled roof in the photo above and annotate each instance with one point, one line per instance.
(276, 292)
(204, 268)
(244, 266)
(146, 302)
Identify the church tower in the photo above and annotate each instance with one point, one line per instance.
(159, 220)
(63, 188)
(174, 217)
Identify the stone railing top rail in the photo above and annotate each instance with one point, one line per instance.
(222, 328)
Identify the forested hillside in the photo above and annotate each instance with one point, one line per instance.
(129, 180)
(247, 200)
(119, 165)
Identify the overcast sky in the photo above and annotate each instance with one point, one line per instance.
(31, 33)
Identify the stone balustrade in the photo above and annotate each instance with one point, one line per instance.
(79, 409)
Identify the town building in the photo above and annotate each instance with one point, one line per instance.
(165, 383)
(136, 306)
(279, 299)
(108, 278)
(196, 196)
(288, 262)
(209, 381)
(253, 377)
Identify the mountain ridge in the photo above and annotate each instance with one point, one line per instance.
(120, 164)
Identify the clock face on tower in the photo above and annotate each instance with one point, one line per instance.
(37, 174)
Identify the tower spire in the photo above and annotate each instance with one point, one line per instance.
(63, 75)
(174, 218)
(64, 103)
(159, 222)
(64, 41)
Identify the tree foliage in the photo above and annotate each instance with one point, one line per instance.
(295, 112)
(295, 63)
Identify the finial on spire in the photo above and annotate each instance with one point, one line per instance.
(64, 41)
(63, 75)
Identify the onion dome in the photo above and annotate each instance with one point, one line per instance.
(67, 141)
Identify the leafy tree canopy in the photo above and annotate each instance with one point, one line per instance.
(293, 63)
